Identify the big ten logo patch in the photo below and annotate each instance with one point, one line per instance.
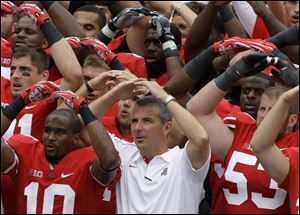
(35, 173)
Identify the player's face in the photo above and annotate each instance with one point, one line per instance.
(181, 25)
(125, 111)
(24, 75)
(252, 90)
(89, 22)
(27, 32)
(292, 12)
(153, 47)
(58, 138)
(6, 24)
(89, 73)
(147, 129)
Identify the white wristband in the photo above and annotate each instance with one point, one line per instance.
(168, 99)
(108, 32)
(169, 44)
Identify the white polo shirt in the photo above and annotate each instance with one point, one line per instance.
(168, 184)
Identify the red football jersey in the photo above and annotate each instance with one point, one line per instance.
(224, 108)
(6, 53)
(68, 188)
(291, 183)
(240, 184)
(6, 94)
(31, 119)
(110, 123)
(260, 30)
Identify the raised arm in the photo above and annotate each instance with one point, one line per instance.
(197, 148)
(63, 19)
(104, 168)
(200, 31)
(203, 104)
(231, 23)
(62, 53)
(268, 154)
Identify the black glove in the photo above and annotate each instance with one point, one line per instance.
(162, 26)
(246, 66)
(126, 18)
(287, 72)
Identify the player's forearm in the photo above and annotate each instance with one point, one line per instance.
(186, 121)
(100, 106)
(102, 144)
(187, 14)
(68, 65)
(231, 23)
(64, 21)
(200, 31)
(206, 100)
(271, 125)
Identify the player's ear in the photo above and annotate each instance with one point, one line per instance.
(78, 143)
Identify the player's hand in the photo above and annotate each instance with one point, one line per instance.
(69, 98)
(34, 13)
(103, 81)
(128, 90)
(261, 45)
(156, 90)
(99, 48)
(249, 65)
(286, 72)
(236, 44)
(74, 42)
(162, 26)
(231, 46)
(39, 91)
(8, 6)
(126, 18)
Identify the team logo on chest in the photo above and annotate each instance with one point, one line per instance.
(35, 173)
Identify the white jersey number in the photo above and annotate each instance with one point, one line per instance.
(31, 191)
(241, 181)
(24, 123)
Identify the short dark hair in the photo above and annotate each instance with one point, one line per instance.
(38, 56)
(94, 9)
(113, 6)
(74, 121)
(151, 101)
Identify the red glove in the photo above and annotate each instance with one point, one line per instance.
(100, 49)
(231, 46)
(39, 91)
(261, 45)
(74, 42)
(70, 99)
(8, 6)
(34, 13)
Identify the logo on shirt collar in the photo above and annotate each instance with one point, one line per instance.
(164, 172)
